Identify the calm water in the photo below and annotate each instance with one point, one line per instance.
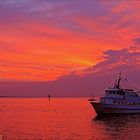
(62, 119)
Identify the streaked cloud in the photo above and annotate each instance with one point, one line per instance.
(55, 38)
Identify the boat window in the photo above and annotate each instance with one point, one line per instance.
(107, 92)
(119, 93)
(128, 103)
(132, 103)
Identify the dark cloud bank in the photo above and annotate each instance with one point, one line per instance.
(93, 82)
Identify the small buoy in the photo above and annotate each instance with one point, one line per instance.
(49, 97)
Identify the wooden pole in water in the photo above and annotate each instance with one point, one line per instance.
(49, 97)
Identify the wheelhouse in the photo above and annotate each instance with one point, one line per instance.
(115, 92)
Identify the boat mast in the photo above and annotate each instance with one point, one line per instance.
(118, 81)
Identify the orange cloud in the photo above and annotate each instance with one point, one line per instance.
(36, 48)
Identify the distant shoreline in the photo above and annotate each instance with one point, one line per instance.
(36, 97)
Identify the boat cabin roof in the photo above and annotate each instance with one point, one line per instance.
(116, 89)
(121, 92)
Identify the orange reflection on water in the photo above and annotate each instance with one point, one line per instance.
(61, 119)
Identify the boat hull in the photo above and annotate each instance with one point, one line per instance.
(114, 109)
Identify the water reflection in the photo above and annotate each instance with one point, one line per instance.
(119, 126)
(62, 119)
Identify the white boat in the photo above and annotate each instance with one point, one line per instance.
(117, 101)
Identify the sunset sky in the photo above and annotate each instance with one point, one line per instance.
(42, 40)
